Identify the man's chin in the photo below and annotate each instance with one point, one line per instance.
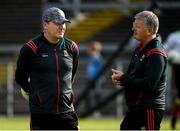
(60, 36)
(135, 37)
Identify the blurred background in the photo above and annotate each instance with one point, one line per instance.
(106, 21)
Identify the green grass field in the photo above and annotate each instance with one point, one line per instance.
(22, 123)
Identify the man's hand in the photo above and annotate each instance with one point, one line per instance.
(116, 77)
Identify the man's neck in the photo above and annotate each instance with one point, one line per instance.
(148, 39)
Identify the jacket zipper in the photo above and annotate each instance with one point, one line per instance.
(58, 80)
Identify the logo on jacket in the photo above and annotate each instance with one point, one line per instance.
(142, 58)
(44, 55)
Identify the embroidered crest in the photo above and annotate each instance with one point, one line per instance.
(142, 58)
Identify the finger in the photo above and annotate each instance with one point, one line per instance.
(114, 71)
(118, 83)
(114, 81)
(112, 77)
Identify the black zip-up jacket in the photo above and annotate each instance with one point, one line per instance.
(145, 80)
(47, 71)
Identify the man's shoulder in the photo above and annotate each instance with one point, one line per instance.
(157, 48)
(33, 44)
(71, 44)
(68, 41)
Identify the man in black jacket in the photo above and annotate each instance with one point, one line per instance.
(145, 80)
(46, 68)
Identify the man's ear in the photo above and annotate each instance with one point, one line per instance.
(44, 24)
(150, 31)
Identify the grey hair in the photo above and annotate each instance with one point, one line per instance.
(150, 19)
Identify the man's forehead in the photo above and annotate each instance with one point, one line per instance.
(139, 21)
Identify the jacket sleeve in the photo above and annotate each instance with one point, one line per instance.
(153, 71)
(75, 51)
(22, 74)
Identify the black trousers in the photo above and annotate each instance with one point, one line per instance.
(65, 121)
(149, 119)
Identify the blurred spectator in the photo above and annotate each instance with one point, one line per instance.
(95, 60)
(94, 67)
(172, 45)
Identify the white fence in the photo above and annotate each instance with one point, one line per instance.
(11, 101)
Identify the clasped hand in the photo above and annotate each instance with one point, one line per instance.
(116, 77)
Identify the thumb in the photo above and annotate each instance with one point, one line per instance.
(115, 71)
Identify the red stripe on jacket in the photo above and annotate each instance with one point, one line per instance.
(32, 45)
(157, 51)
(150, 118)
(74, 47)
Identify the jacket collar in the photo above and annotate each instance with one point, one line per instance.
(141, 47)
